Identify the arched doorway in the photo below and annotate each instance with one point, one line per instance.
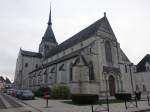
(112, 86)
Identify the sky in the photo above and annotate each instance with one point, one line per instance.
(23, 23)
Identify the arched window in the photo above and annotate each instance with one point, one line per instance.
(144, 88)
(126, 69)
(91, 71)
(137, 88)
(71, 77)
(108, 52)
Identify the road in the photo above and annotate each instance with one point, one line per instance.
(11, 104)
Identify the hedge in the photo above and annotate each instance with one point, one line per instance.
(60, 92)
(84, 98)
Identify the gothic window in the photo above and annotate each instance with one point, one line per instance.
(36, 66)
(26, 65)
(61, 67)
(144, 88)
(147, 68)
(137, 88)
(108, 52)
(91, 71)
(126, 70)
(53, 70)
(45, 76)
(71, 77)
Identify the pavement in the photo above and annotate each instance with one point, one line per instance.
(11, 104)
(60, 106)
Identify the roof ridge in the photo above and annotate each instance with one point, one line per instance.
(80, 36)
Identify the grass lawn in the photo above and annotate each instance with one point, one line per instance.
(100, 102)
(110, 101)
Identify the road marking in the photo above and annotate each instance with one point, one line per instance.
(5, 102)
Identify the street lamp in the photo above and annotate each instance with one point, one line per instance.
(107, 100)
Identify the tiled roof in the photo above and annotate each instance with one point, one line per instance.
(81, 36)
(59, 60)
(141, 65)
(124, 57)
(31, 54)
(49, 35)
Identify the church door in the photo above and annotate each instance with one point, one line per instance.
(112, 87)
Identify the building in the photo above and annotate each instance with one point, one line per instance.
(4, 83)
(142, 75)
(91, 61)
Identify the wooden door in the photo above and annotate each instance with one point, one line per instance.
(112, 86)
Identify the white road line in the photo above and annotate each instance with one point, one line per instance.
(5, 102)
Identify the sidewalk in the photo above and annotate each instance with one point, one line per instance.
(59, 106)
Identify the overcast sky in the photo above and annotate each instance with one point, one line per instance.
(23, 23)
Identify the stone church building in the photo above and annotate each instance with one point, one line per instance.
(90, 61)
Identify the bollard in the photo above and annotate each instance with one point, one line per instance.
(125, 101)
(47, 102)
(148, 100)
(92, 108)
(136, 102)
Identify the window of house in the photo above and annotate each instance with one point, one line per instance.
(108, 52)
(26, 64)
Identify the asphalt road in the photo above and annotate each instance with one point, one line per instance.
(11, 104)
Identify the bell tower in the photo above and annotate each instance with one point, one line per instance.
(48, 41)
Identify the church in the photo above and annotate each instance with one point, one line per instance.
(90, 61)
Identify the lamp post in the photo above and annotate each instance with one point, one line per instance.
(106, 81)
(130, 66)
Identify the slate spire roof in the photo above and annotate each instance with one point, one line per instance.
(49, 34)
(101, 24)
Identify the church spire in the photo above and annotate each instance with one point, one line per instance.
(50, 19)
(49, 34)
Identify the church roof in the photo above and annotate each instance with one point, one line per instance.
(83, 35)
(124, 57)
(30, 54)
(49, 34)
(141, 65)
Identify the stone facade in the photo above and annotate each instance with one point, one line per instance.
(142, 75)
(91, 61)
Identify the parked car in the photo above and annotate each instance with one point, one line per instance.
(13, 92)
(26, 95)
(18, 93)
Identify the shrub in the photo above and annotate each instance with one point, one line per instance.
(84, 98)
(123, 96)
(60, 92)
(41, 91)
